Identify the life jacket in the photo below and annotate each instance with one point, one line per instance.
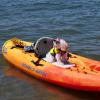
(54, 51)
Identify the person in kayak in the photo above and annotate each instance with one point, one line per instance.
(59, 52)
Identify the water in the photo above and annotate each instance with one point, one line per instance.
(77, 21)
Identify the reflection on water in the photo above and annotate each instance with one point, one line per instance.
(23, 84)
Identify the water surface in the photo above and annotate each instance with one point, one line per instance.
(77, 21)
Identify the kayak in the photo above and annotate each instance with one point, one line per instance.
(85, 75)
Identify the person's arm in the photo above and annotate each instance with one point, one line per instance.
(58, 58)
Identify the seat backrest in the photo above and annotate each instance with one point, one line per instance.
(43, 45)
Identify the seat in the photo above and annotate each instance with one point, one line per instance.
(43, 45)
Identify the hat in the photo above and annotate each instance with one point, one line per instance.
(63, 45)
(60, 44)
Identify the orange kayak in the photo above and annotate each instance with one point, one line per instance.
(84, 76)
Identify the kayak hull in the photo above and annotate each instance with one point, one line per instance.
(84, 76)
